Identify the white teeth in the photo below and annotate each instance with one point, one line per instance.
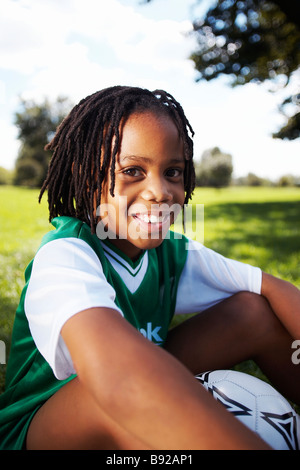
(152, 219)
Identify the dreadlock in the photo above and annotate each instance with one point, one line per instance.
(87, 141)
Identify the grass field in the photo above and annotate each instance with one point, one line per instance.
(260, 226)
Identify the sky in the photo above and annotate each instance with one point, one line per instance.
(72, 48)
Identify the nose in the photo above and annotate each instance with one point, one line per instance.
(157, 189)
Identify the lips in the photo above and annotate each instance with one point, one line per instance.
(150, 223)
(152, 218)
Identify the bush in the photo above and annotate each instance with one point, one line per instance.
(6, 176)
(215, 169)
(28, 173)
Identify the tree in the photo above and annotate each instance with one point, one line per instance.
(291, 130)
(6, 176)
(251, 41)
(36, 124)
(215, 169)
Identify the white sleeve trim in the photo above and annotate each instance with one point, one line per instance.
(67, 278)
(209, 277)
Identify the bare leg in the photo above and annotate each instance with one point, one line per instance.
(239, 328)
(70, 420)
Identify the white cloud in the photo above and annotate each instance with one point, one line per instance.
(241, 122)
(27, 34)
(36, 34)
(2, 91)
(76, 47)
(159, 43)
(51, 41)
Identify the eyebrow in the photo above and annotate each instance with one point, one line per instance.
(138, 158)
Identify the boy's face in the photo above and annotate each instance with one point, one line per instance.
(149, 184)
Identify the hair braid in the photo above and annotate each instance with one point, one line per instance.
(86, 144)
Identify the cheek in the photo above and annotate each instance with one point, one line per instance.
(180, 194)
(116, 208)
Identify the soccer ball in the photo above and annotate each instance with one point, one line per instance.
(257, 405)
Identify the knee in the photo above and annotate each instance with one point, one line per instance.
(257, 313)
(250, 301)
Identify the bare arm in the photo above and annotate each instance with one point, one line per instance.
(284, 299)
(145, 389)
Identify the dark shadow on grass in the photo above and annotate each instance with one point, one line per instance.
(274, 226)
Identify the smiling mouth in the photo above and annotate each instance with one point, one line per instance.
(151, 218)
(151, 223)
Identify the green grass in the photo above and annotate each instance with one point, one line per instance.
(23, 221)
(259, 226)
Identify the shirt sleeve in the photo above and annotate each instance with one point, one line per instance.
(209, 277)
(67, 277)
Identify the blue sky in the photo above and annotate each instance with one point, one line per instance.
(75, 47)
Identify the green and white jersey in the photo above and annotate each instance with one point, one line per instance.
(72, 271)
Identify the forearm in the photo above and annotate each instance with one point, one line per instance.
(151, 395)
(284, 299)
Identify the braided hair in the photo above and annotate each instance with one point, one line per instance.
(87, 141)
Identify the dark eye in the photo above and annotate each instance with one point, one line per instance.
(132, 172)
(173, 172)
